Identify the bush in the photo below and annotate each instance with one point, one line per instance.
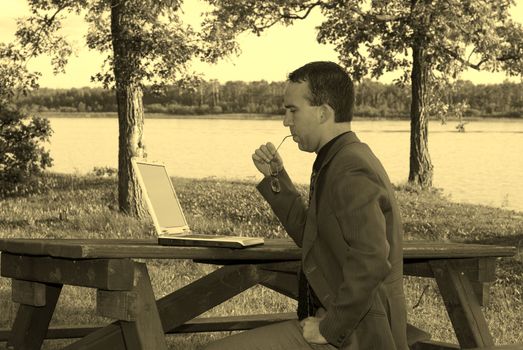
(22, 156)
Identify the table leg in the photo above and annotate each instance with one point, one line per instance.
(462, 305)
(145, 332)
(281, 277)
(182, 305)
(31, 322)
(139, 327)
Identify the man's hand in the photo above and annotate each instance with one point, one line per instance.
(311, 330)
(266, 158)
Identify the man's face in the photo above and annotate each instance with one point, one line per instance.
(301, 118)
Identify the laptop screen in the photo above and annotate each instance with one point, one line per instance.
(161, 195)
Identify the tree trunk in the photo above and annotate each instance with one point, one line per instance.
(420, 170)
(130, 113)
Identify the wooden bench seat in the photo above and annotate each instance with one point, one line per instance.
(210, 324)
(436, 345)
(502, 347)
(199, 324)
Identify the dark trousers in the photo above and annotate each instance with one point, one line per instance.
(279, 336)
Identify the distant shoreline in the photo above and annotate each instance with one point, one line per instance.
(241, 116)
(236, 116)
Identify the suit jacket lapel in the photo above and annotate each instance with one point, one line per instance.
(311, 226)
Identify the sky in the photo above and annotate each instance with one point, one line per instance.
(269, 57)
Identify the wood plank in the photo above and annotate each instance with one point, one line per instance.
(69, 332)
(416, 335)
(31, 322)
(279, 249)
(232, 323)
(273, 249)
(181, 306)
(117, 305)
(502, 347)
(196, 325)
(434, 345)
(205, 293)
(288, 266)
(417, 267)
(480, 271)
(452, 250)
(462, 305)
(108, 337)
(110, 274)
(481, 277)
(145, 331)
(28, 293)
(281, 282)
(482, 291)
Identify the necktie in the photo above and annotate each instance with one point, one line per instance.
(305, 304)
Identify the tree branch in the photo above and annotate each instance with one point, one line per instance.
(466, 62)
(478, 65)
(309, 9)
(380, 18)
(259, 29)
(48, 22)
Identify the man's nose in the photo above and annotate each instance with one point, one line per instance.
(287, 119)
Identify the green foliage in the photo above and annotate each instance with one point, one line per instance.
(373, 100)
(373, 38)
(104, 171)
(15, 78)
(22, 156)
(157, 44)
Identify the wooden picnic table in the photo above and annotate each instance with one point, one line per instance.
(40, 267)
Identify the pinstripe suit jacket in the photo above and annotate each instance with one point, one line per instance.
(351, 240)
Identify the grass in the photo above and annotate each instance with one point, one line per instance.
(84, 207)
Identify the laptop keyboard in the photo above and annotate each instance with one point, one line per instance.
(197, 235)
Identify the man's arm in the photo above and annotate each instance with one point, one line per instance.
(356, 201)
(287, 205)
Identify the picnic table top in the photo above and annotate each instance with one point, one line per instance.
(273, 249)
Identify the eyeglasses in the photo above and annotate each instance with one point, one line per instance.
(275, 182)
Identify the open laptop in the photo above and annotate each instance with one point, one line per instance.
(167, 213)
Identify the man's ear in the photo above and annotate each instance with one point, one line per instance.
(326, 113)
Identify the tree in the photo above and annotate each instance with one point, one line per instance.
(22, 155)
(430, 40)
(145, 42)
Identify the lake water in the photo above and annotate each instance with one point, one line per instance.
(484, 165)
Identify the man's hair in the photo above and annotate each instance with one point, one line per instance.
(330, 84)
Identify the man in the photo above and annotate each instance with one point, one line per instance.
(351, 289)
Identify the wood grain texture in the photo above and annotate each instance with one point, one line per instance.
(285, 283)
(28, 293)
(118, 305)
(462, 305)
(205, 293)
(145, 331)
(110, 274)
(434, 345)
(273, 249)
(180, 306)
(31, 322)
(200, 324)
